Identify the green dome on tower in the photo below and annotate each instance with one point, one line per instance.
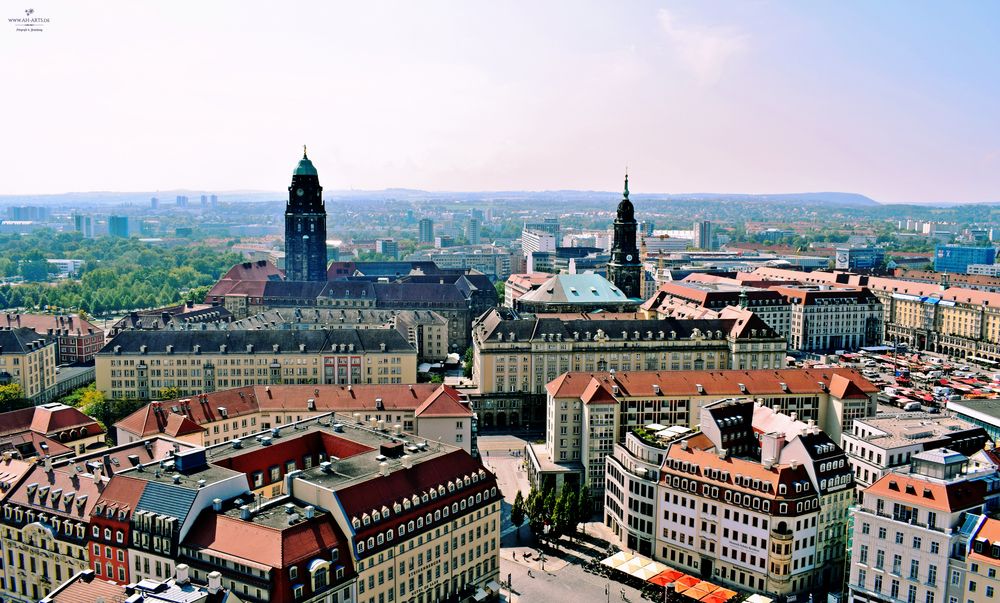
(305, 167)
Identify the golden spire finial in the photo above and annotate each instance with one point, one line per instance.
(304, 155)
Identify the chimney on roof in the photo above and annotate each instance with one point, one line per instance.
(245, 515)
(214, 583)
(183, 576)
(310, 512)
(217, 504)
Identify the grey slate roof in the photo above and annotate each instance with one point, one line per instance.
(18, 341)
(167, 499)
(526, 329)
(263, 341)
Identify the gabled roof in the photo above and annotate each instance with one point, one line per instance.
(85, 587)
(720, 383)
(178, 425)
(261, 544)
(11, 472)
(122, 493)
(444, 402)
(41, 323)
(55, 417)
(69, 481)
(242, 401)
(911, 490)
(20, 341)
(844, 388)
(989, 530)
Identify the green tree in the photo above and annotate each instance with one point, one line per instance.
(517, 513)
(501, 287)
(35, 268)
(536, 511)
(564, 517)
(549, 508)
(436, 378)
(467, 363)
(12, 397)
(168, 393)
(584, 504)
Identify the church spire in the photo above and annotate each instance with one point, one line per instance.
(304, 154)
(626, 183)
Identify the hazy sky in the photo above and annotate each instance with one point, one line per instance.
(896, 100)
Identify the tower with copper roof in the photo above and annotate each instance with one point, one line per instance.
(305, 225)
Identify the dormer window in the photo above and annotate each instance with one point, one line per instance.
(293, 573)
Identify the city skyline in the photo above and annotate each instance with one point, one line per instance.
(727, 98)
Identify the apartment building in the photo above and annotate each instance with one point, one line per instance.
(515, 357)
(912, 529)
(825, 319)
(588, 413)
(77, 339)
(876, 444)
(431, 411)
(757, 501)
(138, 364)
(52, 430)
(982, 582)
(425, 330)
(29, 360)
(682, 298)
(45, 529)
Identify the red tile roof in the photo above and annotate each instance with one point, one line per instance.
(86, 588)
(11, 472)
(444, 402)
(178, 425)
(990, 530)
(16, 421)
(252, 399)
(951, 497)
(41, 323)
(723, 384)
(380, 491)
(122, 492)
(52, 418)
(260, 544)
(69, 481)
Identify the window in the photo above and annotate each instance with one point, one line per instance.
(293, 573)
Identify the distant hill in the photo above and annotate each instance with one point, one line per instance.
(403, 194)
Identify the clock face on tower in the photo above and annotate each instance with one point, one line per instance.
(628, 258)
(300, 192)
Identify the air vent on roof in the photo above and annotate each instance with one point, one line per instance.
(700, 388)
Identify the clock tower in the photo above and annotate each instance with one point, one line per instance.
(305, 225)
(625, 269)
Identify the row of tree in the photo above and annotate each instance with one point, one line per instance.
(550, 515)
(117, 274)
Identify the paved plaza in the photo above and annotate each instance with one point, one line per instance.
(563, 578)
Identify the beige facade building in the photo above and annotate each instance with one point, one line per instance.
(45, 522)
(982, 580)
(29, 360)
(910, 531)
(514, 358)
(137, 364)
(588, 413)
(436, 413)
(755, 500)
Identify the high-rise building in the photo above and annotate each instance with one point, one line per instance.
(118, 226)
(473, 229)
(213, 200)
(703, 235)
(84, 225)
(549, 225)
(182, 201)
(624, 268)
(426, 230)
(305, 225)
(154, 203)
(535, 241)
(387, 247)
(28, 213)
(956, 258)
(204, 200)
